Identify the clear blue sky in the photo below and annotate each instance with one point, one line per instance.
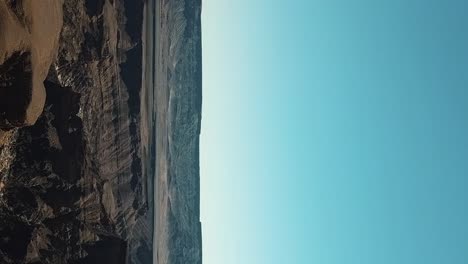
(335, 132)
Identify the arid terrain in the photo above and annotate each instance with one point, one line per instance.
(29, 39)
(178, 98)
(100, 104)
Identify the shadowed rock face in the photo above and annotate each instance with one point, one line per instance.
(28, 44)
(15, 89)
(38, 198)
(108, 250)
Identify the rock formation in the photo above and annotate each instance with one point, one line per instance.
(98, 165)
(72, 184)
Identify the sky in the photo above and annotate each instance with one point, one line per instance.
(335, 131)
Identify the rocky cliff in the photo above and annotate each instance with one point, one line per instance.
(109, 170)
(72, 187)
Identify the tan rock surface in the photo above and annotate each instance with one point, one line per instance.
(28, 26)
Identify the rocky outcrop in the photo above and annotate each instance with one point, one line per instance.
(15, 89)
(77, 186)
(40, 191)
(72, 184)
(29, 38)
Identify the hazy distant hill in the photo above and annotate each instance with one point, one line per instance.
(178, 103)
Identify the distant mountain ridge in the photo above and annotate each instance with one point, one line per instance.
(178, 82)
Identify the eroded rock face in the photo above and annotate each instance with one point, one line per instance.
(38, 198)
(76, 186)
(29, 37)
(15, 89)
(71, 184)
